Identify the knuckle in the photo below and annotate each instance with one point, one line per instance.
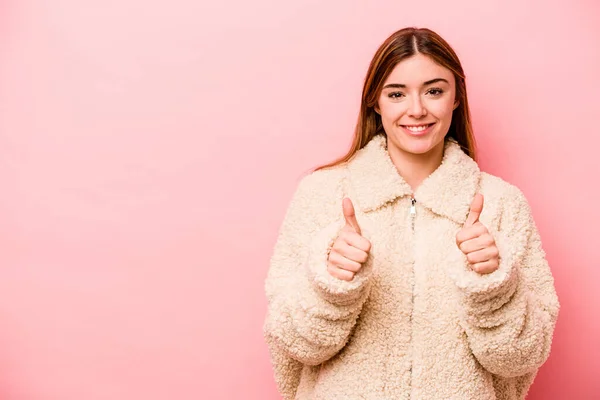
(337, 243)
(355, 266)
(343, 263)
(349, 264)
(364, 257)
(331, 269)
(353, 237)
(333, 255)
(341, 274)
(367, 246)
(346, 275)
(347, 238)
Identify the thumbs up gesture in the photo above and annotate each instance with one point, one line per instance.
(476, 242)
(350, 249)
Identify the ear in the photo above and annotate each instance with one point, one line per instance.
(376, 108)
(456, 104)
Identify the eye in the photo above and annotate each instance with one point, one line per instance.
(395, 95)
(435, 91)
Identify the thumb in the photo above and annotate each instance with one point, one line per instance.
(475, 211)
(349, 214)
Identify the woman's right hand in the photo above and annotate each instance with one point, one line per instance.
(350, 249)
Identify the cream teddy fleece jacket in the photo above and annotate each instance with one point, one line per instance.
(416, 322)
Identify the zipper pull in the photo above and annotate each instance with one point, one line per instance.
(413, 209)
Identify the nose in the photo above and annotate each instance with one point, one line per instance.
(416, 108)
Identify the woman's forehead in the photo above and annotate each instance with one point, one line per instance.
(416, 70)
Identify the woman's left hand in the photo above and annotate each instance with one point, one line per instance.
(476, 242)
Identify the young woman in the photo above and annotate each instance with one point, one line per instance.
(402, 271)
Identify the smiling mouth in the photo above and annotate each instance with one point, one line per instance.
(416, 128)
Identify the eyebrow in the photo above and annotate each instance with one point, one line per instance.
(401, 85)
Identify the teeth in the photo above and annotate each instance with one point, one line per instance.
(419, 128)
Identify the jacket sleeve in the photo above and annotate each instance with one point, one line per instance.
(510, 314)
(310, 313)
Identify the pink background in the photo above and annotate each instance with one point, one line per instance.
(148, 151)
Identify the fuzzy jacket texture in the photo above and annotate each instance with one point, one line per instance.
(416, 322)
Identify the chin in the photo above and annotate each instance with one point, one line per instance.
(418, 150)
(417, 146)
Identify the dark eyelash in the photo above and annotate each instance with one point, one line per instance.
(394, 95)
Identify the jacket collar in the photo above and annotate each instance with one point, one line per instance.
(448, 191)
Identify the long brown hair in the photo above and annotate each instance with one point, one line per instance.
(399, 46)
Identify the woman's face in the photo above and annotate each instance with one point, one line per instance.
(416, 105)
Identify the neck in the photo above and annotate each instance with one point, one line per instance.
(415, 168)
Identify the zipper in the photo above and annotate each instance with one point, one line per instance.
(413, 212)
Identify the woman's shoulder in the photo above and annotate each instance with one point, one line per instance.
(497, 190)
(322, 187)
(323, 180)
